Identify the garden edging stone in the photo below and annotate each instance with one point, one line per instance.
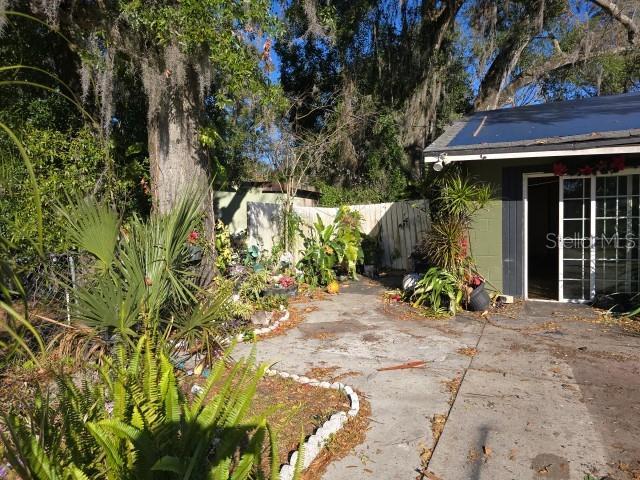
(317, 440)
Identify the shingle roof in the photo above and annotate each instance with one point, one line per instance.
(610, 120)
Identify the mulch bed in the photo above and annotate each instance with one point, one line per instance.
(342, 443)
(301, 410)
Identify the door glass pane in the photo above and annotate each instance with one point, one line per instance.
(617, 224)
(576, 236)
(573, 209)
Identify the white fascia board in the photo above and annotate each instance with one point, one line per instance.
(612, 150)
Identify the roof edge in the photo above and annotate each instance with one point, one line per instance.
(632, 135)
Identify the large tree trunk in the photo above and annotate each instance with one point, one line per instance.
(418, 117)
(178, 163)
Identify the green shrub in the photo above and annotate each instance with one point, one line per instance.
(138, 424)
(270, 303)
(224, 252)
(371, 250)
(66, 164)
(438, 285)
(252, 287)
(332, 246)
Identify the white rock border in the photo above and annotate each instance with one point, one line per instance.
(316, 441)
(241, 337)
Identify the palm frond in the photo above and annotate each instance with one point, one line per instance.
(93, 227)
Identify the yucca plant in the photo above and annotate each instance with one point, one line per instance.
(437, 287)
(445, 245)
(138, 424)
(461, 197)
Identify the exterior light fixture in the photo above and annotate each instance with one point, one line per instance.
(442, 161)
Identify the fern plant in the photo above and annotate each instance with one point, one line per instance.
(140, 425)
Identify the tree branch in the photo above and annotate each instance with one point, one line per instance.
(612, 9)
(507, 59)
(556, 63)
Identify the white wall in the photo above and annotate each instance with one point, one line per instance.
(232, 206)
(399, 226)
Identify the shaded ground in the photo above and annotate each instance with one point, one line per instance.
(543, 394)
(551, 396)
(298, 407)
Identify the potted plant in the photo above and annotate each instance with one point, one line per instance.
(282, 285)
(477, 297)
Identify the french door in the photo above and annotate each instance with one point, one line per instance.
(598, 236)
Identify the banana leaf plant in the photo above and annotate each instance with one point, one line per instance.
(437, 288)
(331, 246)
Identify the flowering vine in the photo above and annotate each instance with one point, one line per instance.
(612, 165)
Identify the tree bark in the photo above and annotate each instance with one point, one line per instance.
(178, 163)
(612, 9)
(505, 62)
(418, 117)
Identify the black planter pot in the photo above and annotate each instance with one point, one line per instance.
(479, 300)
(289, 291)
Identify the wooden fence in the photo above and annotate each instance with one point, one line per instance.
(398, 226)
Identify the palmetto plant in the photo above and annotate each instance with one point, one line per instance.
(437, 287)
(142, 275)
(140, 425)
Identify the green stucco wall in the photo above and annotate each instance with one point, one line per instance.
(231, 206)
(486, 233)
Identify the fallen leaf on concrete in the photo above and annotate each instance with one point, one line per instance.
(432, 476)
(544, 470)
(513, 453)
(403, 366)
(472, 456)
(468, 351)
(488, 451)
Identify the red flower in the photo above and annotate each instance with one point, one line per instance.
(617, 163)
(286, 282)
(560, 169)
(586, 170)
(193, 237)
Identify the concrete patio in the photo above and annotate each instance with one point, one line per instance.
(549, 394)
